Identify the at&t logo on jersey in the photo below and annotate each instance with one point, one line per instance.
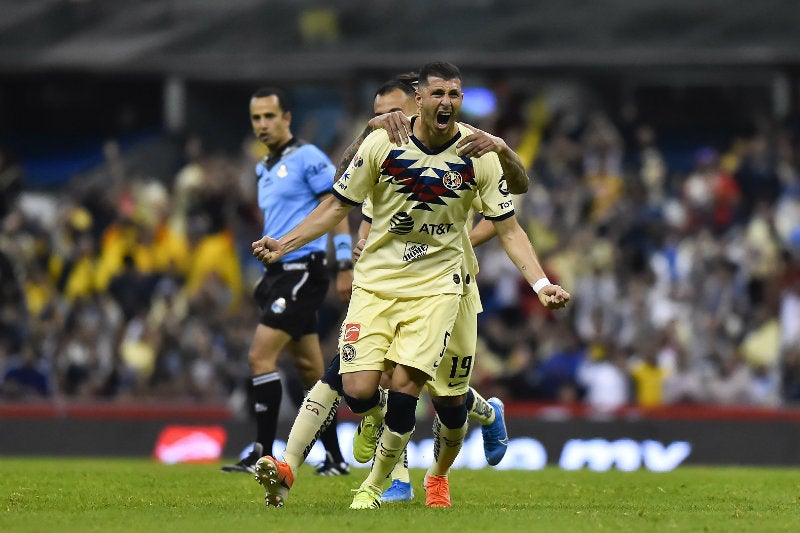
(414, 250)
(436, 229)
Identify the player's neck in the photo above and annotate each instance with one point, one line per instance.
(431, 138)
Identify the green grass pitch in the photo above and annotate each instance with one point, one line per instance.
(56, 495)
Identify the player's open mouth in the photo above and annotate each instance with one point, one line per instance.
(442, 119)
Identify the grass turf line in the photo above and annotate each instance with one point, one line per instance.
(142, 496)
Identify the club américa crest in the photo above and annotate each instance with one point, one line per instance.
(452, 180)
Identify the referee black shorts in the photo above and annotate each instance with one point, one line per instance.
(290, 294)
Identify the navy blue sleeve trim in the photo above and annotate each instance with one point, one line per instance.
(344, 198)
(501, 217)
(366, 218)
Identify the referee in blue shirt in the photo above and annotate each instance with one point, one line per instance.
(292, 180)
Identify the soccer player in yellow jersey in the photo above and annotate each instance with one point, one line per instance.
(408, 282)
(394, 104)
(449, 390)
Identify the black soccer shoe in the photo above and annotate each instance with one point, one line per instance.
(248, 464)
(331, 468)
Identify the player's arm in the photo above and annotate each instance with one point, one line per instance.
(348, 154)
(363, 229)
(396, 124)
(320, 221)
(480, 143)
(342, 245)
(363, 232)
(519, 249)
(481, 232)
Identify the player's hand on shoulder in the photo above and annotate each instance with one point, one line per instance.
(479, 143)
(396, 124)
(553, 296)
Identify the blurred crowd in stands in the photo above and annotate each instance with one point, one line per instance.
(685, 283)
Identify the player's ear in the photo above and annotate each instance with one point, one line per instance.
(287, 116)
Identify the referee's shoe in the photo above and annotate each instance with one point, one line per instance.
(248, 464)
(329, 467)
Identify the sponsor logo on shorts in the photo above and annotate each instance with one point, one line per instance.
(456, 279)
(348, 353)
(452, 180)
(401, 223)
(414, 250)
(278, 306)
(350, 333)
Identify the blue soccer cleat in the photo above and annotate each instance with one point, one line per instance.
(495, 437)
(399, 491)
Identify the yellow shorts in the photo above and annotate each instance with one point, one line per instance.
(454, 372)
(416, 329)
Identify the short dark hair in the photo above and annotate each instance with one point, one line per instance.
(283, 100)
(405, 82)
(439, 69)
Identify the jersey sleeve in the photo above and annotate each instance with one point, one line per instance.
(496, 202)
(361, 175)
(366, 209)
(319, 170)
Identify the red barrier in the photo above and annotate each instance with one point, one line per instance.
(536, 410)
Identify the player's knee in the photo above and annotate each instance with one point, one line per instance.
(452, 416)
(470, 399)
(332, 378)
(362, 385)
(401, 411)
(362, 405)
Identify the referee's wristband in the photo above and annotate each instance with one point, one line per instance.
(345, 264)
(343, 246)
(540, 284)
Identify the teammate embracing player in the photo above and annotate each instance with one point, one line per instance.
(437, 283)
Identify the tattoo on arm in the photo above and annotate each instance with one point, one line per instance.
(516, 177)
(344, 162)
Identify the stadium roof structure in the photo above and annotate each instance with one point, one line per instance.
(291, 39)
